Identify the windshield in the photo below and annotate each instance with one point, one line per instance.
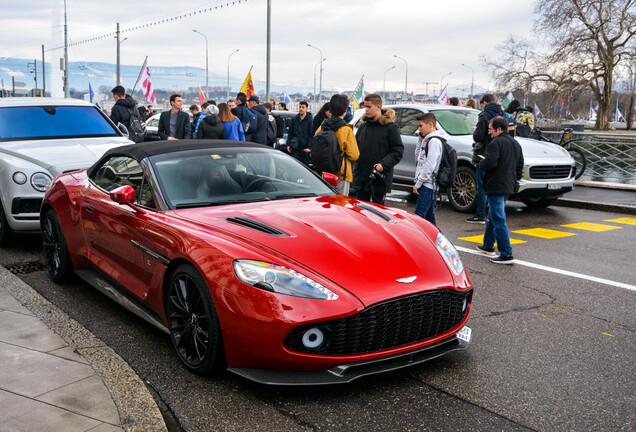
(457, 122)
(46, 122)
(199, 178)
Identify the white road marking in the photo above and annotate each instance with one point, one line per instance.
(559, 271)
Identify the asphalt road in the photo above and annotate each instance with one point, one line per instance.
(551, 352)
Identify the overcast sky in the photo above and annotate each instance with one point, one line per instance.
(356, 38)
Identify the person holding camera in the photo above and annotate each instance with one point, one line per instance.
(381, 149)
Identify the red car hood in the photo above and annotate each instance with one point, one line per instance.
(348, 244)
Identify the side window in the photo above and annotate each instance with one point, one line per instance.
(145, 197)
(408, 122)
(119, 171)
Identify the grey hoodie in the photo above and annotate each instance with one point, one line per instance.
(427, 165)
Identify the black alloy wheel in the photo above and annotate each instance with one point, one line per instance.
(193, 323)
(462, 194)
(56, 254)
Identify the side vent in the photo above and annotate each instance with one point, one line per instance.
(256, 225)
(376, 212)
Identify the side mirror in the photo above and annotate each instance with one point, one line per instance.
(123, 195)
(123, 129)
(331, 179)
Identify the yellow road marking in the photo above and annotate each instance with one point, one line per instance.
(607, 334)
(628, 221)
(589, 226)
(480, 240)
(544, 233)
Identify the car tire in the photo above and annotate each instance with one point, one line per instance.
(193, 322)
(5, 229)
(462, 194)
(541, 202)
(58, 261)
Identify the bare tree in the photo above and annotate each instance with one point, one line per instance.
(579, 45)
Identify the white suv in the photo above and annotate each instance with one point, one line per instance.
(548, 172)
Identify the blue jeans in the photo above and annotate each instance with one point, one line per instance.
(480, 194)
(496, 227)
(425, 206)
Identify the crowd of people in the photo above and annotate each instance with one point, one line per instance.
(368, 157)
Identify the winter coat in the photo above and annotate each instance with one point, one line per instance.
(260, 135)
(121, 111)
(379, 141)
(234, 130)
(480, 134)
(428, 155)
(316, 122)
(301, 129)
(348, 145)
(503, 165)
(184, 130)
(211, 128)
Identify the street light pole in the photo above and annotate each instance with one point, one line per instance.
(441, 80)
(384, 82)
(206, 58)
(472, 80)
(65, 78)
(319, 91)
(406, 75)
(316, 65)
(228, 72)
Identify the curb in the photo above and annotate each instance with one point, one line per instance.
(137, 408)
(590, 205)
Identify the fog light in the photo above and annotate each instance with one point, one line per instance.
(19, 177)
(313, 338)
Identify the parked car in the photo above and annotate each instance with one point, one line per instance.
(231, 249)
(287, 117)
(39, 139)
(548, 172)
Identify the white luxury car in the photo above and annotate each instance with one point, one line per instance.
(548, 172)
(39, 139)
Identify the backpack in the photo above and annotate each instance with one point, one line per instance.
(445, 175)
(325, 152)
(271, 132)
(512, 124)
(250, 120)
(135, 129)
(525, 122)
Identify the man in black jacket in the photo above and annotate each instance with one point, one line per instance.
(260, 134)
(381, 149)
(299, 135)
(502, 164)
(124, 107)
(491, 109)
(174, 124)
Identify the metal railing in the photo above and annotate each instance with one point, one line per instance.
(611, 157)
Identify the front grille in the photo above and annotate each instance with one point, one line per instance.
(545, 172)
(25, 205)
(387, 325)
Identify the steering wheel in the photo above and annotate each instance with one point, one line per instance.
(256, 184)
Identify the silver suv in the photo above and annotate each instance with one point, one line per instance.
(548, 172)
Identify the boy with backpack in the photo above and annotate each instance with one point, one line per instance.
(334, 146)
(428, 154)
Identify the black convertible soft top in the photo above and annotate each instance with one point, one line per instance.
(143, 150)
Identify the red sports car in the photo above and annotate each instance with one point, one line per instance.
(249, 261)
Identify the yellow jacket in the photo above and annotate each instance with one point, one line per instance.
(348, 149)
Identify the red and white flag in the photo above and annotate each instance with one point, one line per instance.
(146, 83)
(443, 97)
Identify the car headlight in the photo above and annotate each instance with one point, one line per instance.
(40, 181)
(449, 253)
(279, 279)
(19, 177)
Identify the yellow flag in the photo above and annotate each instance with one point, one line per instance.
(248, 85)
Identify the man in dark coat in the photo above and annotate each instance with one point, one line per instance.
(260, 135)
(299, 135)
(481, 138)
(502, 165)
(211, 126)
(381, 149)
(174, 124)
(124, 107)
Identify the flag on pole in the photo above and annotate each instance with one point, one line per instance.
(202, 97)
(146, 83)
(358, 94)
(287, 100)
(91, 93)
(443, 96)
(619, 115)
(412, 100)
(248, 85)
(559, 105)
(509, 98)
(537, 111)
(592, 114)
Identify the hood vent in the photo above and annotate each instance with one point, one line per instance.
(376, 212)
(256, 225)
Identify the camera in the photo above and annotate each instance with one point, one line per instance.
(376, 175)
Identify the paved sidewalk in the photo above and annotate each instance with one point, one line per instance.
(67, 380)
(614, 197)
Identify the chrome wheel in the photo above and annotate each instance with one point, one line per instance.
(462, 194)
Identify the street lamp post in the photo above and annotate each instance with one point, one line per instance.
(228, 72)
(320, 88)
(441, 81)
(472, 80)
(316, 65)
(206, 57)
(384, 82)
(406, 74)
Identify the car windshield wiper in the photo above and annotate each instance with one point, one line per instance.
(289, 196)
(221, 202)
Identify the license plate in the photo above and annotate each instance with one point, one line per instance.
(465, 334)
(554, 186)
